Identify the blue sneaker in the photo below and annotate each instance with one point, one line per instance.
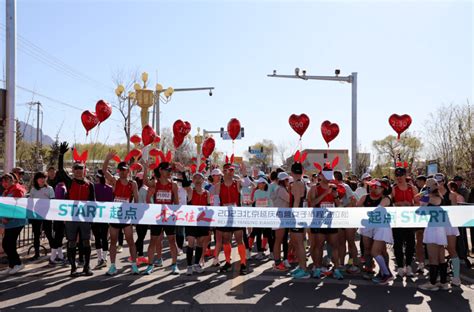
(148, 270)
(174, 269)
(135, 270)
(301, 274)
(158, 262)
(112, 270)
(338, 275)
(317, 273)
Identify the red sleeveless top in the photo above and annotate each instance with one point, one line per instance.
(229, 195)
(199, 199)
(79, 191)
(328, 200)
(406, 195)
(123, 193)
(163, 193)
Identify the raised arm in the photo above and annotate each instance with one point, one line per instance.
(109, 177)
(148, 182)
(63, 148)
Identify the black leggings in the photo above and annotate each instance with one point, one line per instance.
(141, 233)
(47, 227)
(101, 231)
(58, 234)
(404, 237)
(267, 233)
(120, 238)
(9, 245)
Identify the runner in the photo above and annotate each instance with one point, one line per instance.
(81, 189)
(449, 199)
(12, 227)
(261, 198)
(196, 235)
(125, 191)
(297, 235)
(103, 193)
(281, 199)
(144, 196)
(404, 194)
(166, 193)
(42, 190)
(324, 195)
(229, 195)
(436, 240)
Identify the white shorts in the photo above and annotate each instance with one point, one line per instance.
(367, 232)
(435, 235)
(383, 234)
(452, 231)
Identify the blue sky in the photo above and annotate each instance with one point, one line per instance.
(411, 58)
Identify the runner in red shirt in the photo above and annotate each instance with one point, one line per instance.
(125, 191)
(166, 193)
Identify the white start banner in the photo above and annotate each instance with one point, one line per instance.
(222, 216)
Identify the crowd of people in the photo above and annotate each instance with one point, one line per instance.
(416, 251)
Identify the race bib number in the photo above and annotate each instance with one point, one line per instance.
(327, 205)
(261, 202)
(121, 200)
(163, 195)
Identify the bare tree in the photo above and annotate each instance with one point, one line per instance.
(389, 149)
(284, 151)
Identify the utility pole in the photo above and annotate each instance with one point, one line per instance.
(39, 160)
(10, 126)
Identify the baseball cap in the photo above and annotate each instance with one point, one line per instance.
(458, 178)
(261, 174)
(122, 166)
(164, 166)
(283, 176)
(380, 183)
(439, 177)
(78, 165)
(261, 180)
(432, 184)
(18, 170)
(365, 176)
(216, 172)
(400, 171)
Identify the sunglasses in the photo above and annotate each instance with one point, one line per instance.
(167, 169)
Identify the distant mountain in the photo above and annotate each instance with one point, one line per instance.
(29, 134)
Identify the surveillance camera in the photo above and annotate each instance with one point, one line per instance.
(297, 71)
(210, 92)
(274, 72)
(337, 72)
(304, 72)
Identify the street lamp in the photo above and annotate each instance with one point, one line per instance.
(198, 138)
(352, 79)
(130, 98)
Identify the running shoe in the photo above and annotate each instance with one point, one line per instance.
(280, 267)
(456, 281)
(142, 260)
(225, 267)
(112, 270)
(444, 286)
(119, 249)
(17, 268)
(401, 272)
(301, 274)
(189, 271)
(135, 270)
(286, 264)
(215, 262)
(87, 271)
(271, 256)
(428, 286)
(382, 280)
(243, 269)
(326, 272)
(148, 270)
(260, 256)
(409, 271)
(353, 270)
(180, 251)
(337, 274)
(421, 268)
(198, 268)
(74, 273)
(6, 271)
(101, 264)
(316, 273)
(174, 269)
(158, 262)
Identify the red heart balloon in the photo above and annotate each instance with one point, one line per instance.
(233, 128)
(148, 135)
(400, 123)
(135, 139)
(178, 141)
(103, 110)
(208, 147)
(89, 120)
(181, 128)
(299, 123)
(329, 131)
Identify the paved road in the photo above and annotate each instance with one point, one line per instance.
(41, 288)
